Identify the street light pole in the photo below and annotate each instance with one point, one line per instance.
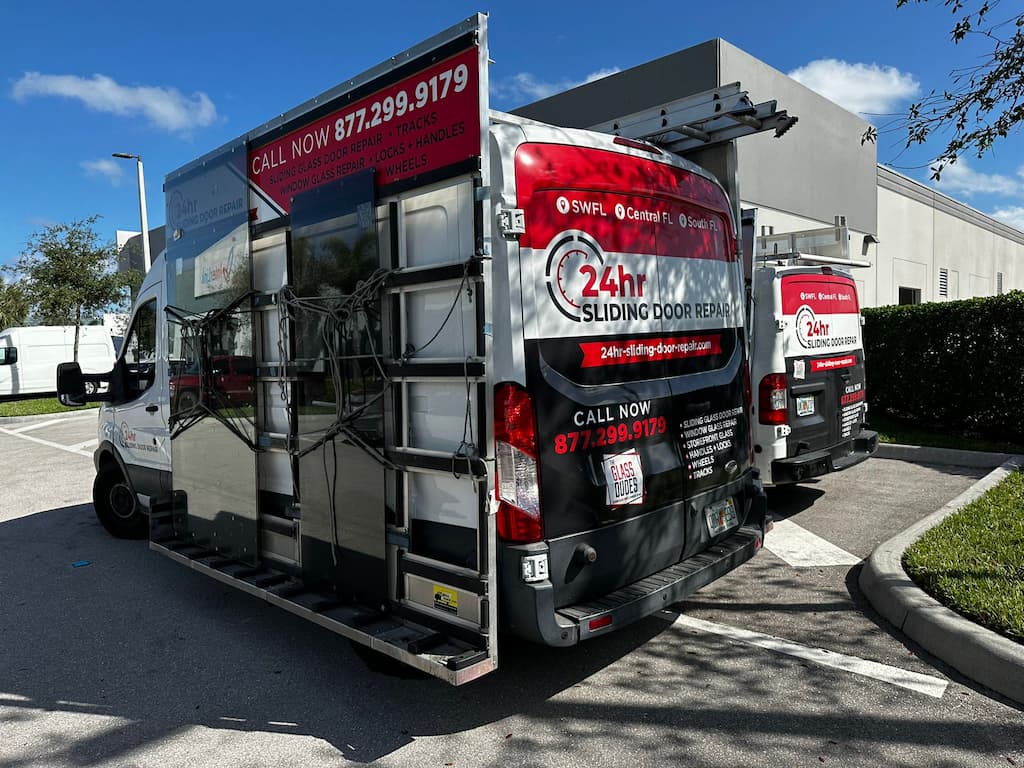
(142, 205)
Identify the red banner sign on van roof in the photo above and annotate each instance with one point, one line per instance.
(424, 122)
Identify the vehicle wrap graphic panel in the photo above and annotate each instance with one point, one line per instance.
(629, 248)
(634, 356)
(822, 316)
(424, 122)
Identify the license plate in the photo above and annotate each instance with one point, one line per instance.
(805, 405)
(721, 516)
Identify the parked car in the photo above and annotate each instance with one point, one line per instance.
(233, 379)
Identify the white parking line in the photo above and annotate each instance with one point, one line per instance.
(930, 686)
(50, 422)
(802, 549)
(69, 448)
(35, 425)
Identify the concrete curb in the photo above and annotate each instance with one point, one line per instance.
(922, 454)
(982, 655)
(4, 420)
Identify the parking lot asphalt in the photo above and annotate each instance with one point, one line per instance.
(116, 656)
(48, 462)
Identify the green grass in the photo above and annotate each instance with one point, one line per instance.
(36, 407)
(893, 430)
(973, 562)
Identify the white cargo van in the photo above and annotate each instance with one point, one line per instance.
(29, 356)
(417, 371)
(807, 357)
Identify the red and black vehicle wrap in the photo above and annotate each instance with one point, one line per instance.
(824, 358)
(635, 365)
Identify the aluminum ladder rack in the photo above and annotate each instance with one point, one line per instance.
(702, 120)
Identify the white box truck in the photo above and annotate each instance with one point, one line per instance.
(449, 372)
(29, 357)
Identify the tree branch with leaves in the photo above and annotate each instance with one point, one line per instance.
(68, 275)
(983, 103)
(14, 305)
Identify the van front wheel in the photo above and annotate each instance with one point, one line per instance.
(116, 506)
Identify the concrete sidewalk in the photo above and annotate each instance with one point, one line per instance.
(982, 655)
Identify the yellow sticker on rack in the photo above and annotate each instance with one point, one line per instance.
(446, 599)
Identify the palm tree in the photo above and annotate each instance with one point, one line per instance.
(14, 305)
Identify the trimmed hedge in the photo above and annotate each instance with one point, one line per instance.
(956, 365)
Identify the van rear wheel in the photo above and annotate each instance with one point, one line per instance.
(116, 506)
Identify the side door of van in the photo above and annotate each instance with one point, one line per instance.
(138, 423)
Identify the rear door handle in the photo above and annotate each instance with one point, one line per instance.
(152, 408)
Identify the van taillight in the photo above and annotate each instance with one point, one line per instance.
(516, 472)
(772, 400)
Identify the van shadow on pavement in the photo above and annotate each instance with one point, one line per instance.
(134, 636)
(120, 631)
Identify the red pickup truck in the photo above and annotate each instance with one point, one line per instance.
(233, 380)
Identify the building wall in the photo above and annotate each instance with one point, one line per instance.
(129, 248)
(671, 77)
(820, 168)
(923, 232)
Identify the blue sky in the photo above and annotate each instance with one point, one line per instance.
(171, 81)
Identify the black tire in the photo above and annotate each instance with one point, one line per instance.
(117, 507)
(91, 387)
(186, 401)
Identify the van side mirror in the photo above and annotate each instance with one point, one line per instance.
(70, 384)
(8, 355)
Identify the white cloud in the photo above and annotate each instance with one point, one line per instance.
(601, 74)
(166, 108)
(1013, 215)
(866, 89)
(960, 179)
(524, 87)
(109, 169)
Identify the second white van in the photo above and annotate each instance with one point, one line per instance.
(29, 356)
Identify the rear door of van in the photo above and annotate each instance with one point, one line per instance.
(824, 357)
(634, 357)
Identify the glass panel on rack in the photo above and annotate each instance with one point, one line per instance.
(336, 308)
(210, 333)
(208, 285)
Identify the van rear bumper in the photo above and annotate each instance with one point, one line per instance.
(528, 609)
(839, 456)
